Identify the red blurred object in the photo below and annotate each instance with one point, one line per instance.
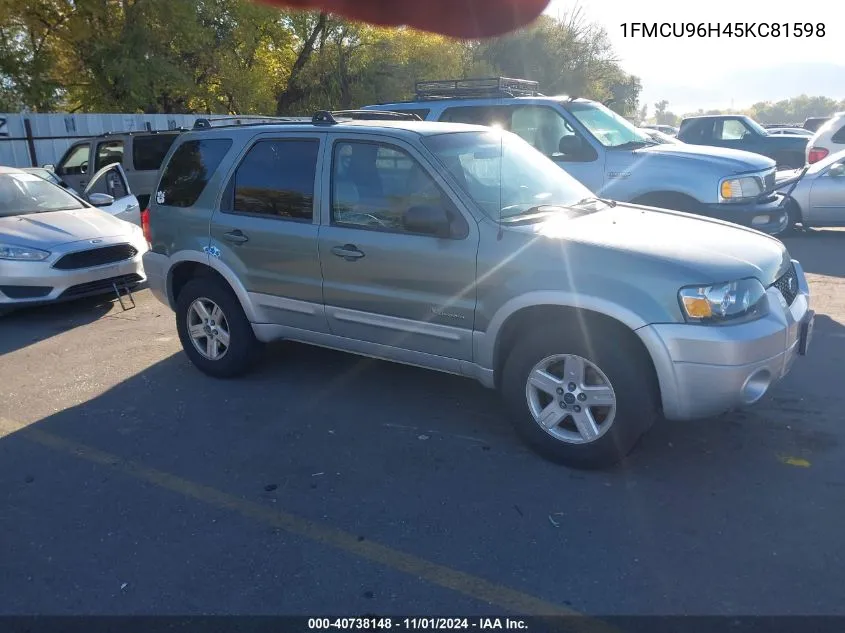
(816, 154)
(466, 19)
(145, 225)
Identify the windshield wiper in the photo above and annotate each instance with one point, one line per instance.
(635, 144)
(610, 203)
(532, 213)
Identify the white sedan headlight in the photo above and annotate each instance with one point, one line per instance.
(724, 304)
(22, 253)
(740, 188)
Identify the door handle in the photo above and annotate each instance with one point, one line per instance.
(235, 236)
(349, 252)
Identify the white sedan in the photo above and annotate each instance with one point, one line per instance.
(55, 246)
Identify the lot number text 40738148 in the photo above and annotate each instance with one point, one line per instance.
(418, 623)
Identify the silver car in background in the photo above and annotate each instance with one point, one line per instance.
(816, 193)
(55, 246)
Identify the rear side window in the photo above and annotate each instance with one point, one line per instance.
(190, 168)
(839, 136)
(108, 152)
(276, 179)
(148, 152)
(477, 115)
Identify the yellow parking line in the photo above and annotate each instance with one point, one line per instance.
(461, 582)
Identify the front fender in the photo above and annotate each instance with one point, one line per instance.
(485, 343)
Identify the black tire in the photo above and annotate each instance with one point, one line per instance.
(794, 218)
(628, 371)
(243, 346)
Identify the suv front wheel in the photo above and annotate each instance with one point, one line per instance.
(214, 331)
(583, 405)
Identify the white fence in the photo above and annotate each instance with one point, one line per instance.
(29, 140)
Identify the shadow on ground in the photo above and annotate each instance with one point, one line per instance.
(820, 251)
(424, 463)
(27, 326)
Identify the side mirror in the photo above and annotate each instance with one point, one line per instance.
(571, 145)
(428, 220)
(49, 166)
(101, 199)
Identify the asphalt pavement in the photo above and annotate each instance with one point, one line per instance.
(326, 483)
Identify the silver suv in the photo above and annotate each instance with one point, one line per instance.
(463, 249)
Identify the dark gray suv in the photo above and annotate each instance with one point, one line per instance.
(461, 248)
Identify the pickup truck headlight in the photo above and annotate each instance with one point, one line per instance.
(740, 188)
(725, 303)
(21, 253)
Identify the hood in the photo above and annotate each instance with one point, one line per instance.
(47, 230)
(786, 177)
(709, 251)
(733, 161)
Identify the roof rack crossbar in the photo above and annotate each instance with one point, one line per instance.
(377, 115)
(476, 87)
(204, 123)
(331, 117)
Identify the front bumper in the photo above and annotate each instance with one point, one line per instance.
(768, 215)
(708, 370)
(24, 284)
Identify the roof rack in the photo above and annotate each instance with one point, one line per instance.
(330, 117)
(482, 87)
(144, 132)
(249, 119)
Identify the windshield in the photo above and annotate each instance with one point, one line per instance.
(22, 194)
(503, 174)
(756, 126)
(611, 130)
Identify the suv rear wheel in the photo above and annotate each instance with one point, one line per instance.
(213, 329)
(581, 405)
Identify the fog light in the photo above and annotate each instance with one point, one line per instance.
(756, 386)
(760, 219)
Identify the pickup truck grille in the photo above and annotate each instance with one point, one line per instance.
(96, 257)
(769, 182)
(788, 284)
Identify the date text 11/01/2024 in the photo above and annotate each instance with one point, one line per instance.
(719, 29)
(423, 623)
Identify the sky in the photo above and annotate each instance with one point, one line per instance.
(694, 61)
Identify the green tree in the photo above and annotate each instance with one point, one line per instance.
(241, 57)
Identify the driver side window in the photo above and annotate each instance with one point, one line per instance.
(111, 183)
(374, 185)
(733, 130)
(76, 161)
(551, 134)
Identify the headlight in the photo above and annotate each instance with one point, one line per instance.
(21, 253)
(740, 188)
(724, 304)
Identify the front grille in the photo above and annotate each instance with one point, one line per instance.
(769, 182)
(25, 292)
(96, 257)
(788, 284)
(101, 285)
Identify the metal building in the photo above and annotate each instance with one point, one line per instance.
(29, 140)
